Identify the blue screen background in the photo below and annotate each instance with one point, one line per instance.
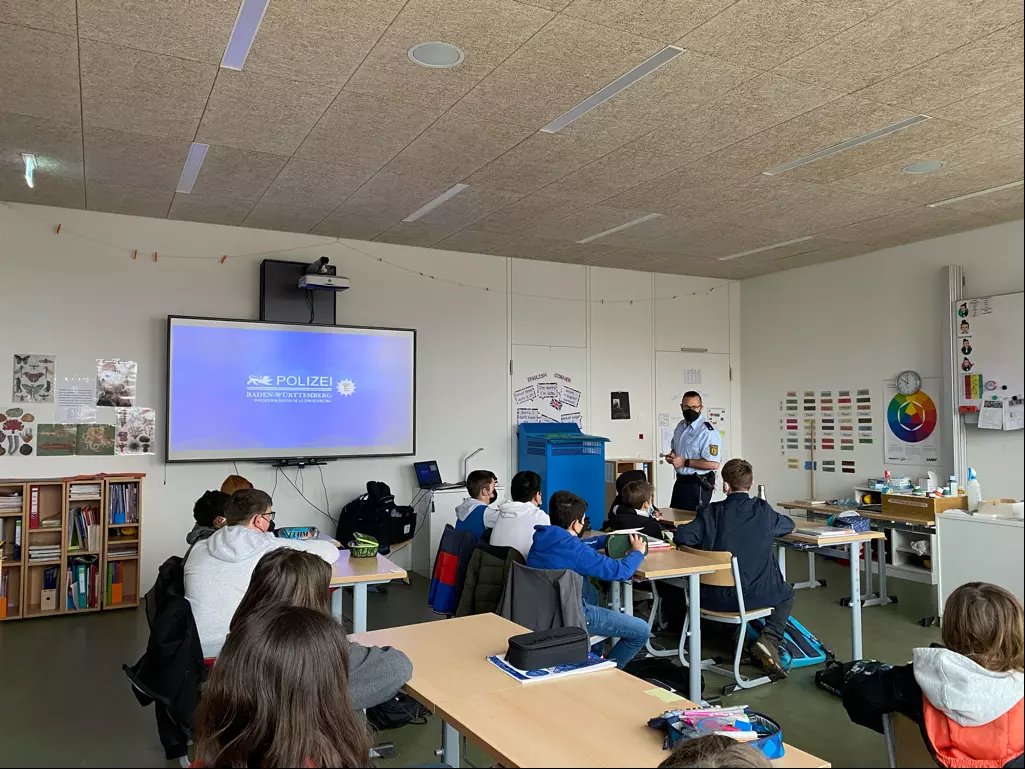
(211, 409)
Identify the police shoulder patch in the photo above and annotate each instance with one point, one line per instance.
(709, 426)
(713, 450)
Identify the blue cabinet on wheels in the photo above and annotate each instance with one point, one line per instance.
(567, 460)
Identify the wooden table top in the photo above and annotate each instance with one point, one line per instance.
(513, 721)
(685, 516)
(675, 563)
(348, 570)
(922, 519)
(450, 656)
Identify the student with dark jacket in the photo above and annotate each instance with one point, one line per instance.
(480, 485)
(635, 511)
(209, 515)
(967, 697)
(745, 526)
(625, 477)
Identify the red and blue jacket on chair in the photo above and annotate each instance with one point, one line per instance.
(454, 552)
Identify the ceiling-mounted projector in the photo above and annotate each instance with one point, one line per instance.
(321, 276)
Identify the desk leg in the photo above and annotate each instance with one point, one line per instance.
(694, 648)
(882, 598)
(449, 745)
(336, 603)
(781, 557)
(616, 599)
(628, 598)
(855, 550)
(359, 607)
(812, 581)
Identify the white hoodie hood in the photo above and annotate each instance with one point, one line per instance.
(965, 691)
(467, 506)
(217, 574)
(513, 524)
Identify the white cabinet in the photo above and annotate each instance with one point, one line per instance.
(979, 550)
(434, 509)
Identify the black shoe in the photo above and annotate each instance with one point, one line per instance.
(767, 654)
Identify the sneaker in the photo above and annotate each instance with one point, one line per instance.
(765, 651)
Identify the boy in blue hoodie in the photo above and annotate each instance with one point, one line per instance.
(559, 547)
(480, 485)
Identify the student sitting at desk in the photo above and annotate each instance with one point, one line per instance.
(512, 523)
(480, 485)
(294, 578)
(967, 698)
(278, 696)
(745, 526)
(218, 569)
(558, 546)
(208, 513)
(635, 512)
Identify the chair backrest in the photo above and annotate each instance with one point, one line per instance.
(542, 599)
(722, 578)
(906, 746)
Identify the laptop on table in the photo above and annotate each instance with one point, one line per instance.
(428, 475)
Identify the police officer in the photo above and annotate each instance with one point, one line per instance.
(695, 455)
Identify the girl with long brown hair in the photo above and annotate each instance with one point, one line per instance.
(278, 696)
(296, 578)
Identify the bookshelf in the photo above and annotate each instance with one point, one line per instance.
(67, 543)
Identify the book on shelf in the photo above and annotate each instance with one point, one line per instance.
(10, 501)
(83, 583)
(124, 503)
(4, 587)
(115, 583)
(84, 491)
(33, 511)
(50, 577)
(17, 540)
(84, 528)
(50, 523)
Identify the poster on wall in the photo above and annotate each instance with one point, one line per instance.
(75, 401)
(17, 432)
(553, 398)
(56, 440)
(911, 433)
(33, 378)
(115, 382)
(135, 430)
(95, 440)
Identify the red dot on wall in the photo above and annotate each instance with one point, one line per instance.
(640, 436)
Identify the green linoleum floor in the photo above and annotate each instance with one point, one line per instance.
(65, 702)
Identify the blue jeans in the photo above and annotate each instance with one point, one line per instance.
(632, 632)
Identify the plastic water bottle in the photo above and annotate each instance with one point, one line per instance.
(952, 486)
(973, 490)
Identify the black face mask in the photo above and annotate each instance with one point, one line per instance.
(690, 415)
(494, 497)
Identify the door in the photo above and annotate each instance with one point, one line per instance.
(675, 374)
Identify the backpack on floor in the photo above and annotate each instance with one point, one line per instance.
(398, 711)
(799, 648)
(663, 673)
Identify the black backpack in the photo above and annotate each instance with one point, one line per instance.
(376, 514)
(398, 711)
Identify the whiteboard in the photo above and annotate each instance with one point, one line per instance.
(988, 350)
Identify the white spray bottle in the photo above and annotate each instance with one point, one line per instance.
(973, 490)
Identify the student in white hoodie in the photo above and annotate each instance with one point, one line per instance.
(512, 523)
(218, 569)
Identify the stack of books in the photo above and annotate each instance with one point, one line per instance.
(10, 501)
(80, 491)
(84, 528)
(38, 553)
(83, 583)
(115, 583)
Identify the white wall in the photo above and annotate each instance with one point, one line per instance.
(855, 323)
(74, 296)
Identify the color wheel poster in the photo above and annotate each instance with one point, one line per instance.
(912, 425)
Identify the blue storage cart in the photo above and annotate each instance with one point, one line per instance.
(567, 460)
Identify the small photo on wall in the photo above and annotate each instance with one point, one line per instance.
(115, 382)
(95, 440)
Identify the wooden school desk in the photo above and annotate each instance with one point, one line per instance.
(669, 564)
(852, 542)
(512, 722)
(359, 574)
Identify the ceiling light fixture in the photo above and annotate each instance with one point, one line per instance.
(765, 248)
(621, 83)
(30, 168)
(425, 209)
(847, 145)
(959, 198)
(924, 167)
(197, 153)
(435, 55)
(247, 23)
(632, 223)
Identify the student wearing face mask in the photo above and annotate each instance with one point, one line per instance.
(694, 456)
(480, 485)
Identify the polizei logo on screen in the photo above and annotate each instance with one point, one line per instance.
(290, 388)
